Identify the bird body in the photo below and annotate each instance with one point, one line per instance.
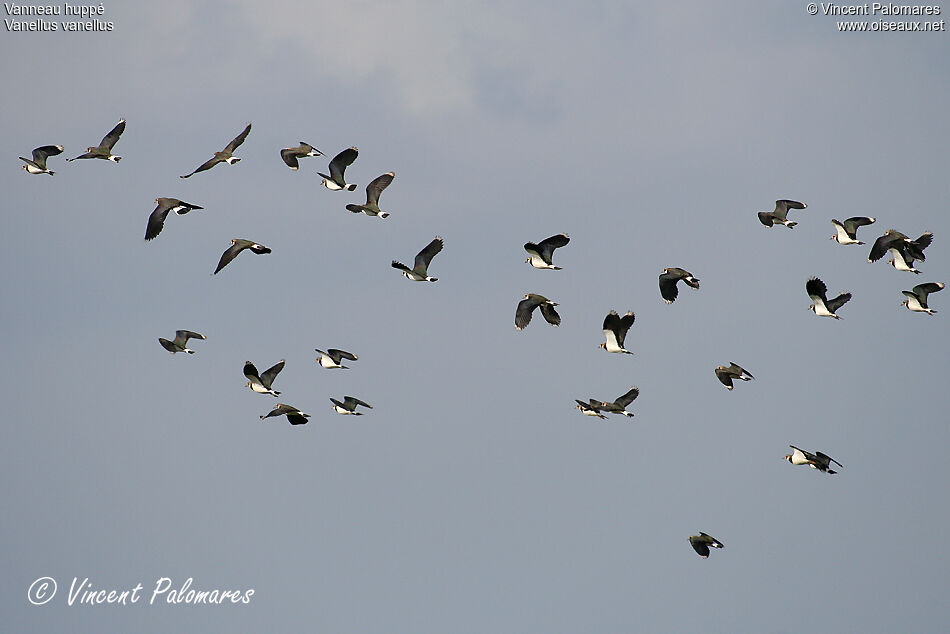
(291, 154)
(104, 149)
(333, 358)
(420, 270)
(727, 375)
(591, 408)
(615, 331)
(224, 156)
(821, 305)
(336, 181)
(702, 542)
(527, 305)
(847, 232)
(40, 154)
(619, 406)
(156, 221)
(917, 297)
(780, 213)
(261, 383)
(348, 406)
(904, 250)
(294, 415)
(238, 245)
(668, 279)
(373, 190)
(178, 344)
(817, 460)
(543, 252)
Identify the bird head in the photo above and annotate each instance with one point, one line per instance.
(603, 345)
(788, 457)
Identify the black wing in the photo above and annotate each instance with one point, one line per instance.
(250, 371)
(376, 187)
(156, 221)
(628, 398)
(238, 140)
(109, 140)
(211, 162)
(230, 254)
(270, 374)
(41, 153)
(289, 155)
(425, 256)
(816, 288)
(523, 312)
(338, 355)
(550, 315)
(724, 376)
(340, 163)
(837, 302)
(668, 288)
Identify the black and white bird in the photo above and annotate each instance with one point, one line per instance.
(904, 250)
(420, 269)
(821, 305)
(615, 331)
(178, 344)
(333, 358)
(40, 154)
(104, 149)
(373, 190)
(543, 252)
(917, 297)
(224, 156)
(261, 383)
(238, 245)
(294, 415)
(335, 181)
(348, 406)
(527, 305)
(816, 460)
(780, 215)
(619, 406)
(668, 279)
(291, 154)
(702, 542)
(727, 375)
(847, 232)
(156, 221)
(591, 408)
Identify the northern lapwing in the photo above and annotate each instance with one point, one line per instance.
(821, 305)
(527, 305)
(591, 408)
(373, 190)
(261, 383)
(668, 279)
(348, 406)
(291, 154)
(779, 215)
(727, 375)
(816, 460)
(917, 297)
(104, 149)
(904, 249)
(238, 245)
(702, 542)
(178, 344)
(847, 232)
(156, 221)
(543, 252)
(40, 154)
(294, 415)
(615, 331)
(333, 358)
(224, 156)
(419, 271)
(619, 406)
(335, 181)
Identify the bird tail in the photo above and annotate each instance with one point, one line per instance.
(351, 187)
(354, 208)
(791, 224)
(433, 279)
(383, 214)
(50, 172)
(116, 158)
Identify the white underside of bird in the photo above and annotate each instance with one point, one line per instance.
(538, 263)
(344, 411)
(798, 458)
(820, 310)
(611, 343)
(260, 389)
(33, 169)
(842, 236)
(328, 363)
(899, 263)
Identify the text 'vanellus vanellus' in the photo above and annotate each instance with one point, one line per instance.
(348, 406)
(261, 383)
(615, 331)
(156, 221)
(847, 232)
(104, 149)
(373, 190)
(527, 305)
(294, 415)
(291, 154)
(333, 358)
(702, 542)
(336, 181)
(224, 156)
(238, 245)
(179, 342)
(904, 250)
(821, 305)
(780, 215)
(727, 375)
(668, 279)
(40, 154)
(917, 297)
(618, 406)
(816, 460)
(543, 252)
(420, 269)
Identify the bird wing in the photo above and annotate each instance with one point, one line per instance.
(612, 329)
(182, 336)
(922, 290)
(376, 187)
(548, 245)
(338, 355)
(825, 459)
(238, 140)
(271, 373)
(782, 206)
(340, 163)
(109, 140)
(625, 322)
(881, 245)
(916, 247)
(425, 256)
(628, 398)
(289, 155)
(739, 370)
(168, 345)
(816, 289)
(699, 546)
(401, 266)
(851, 224)
(724, 376)
(156, 220)
(211, 162)
(350, 402)
(668, 288)
(766, 218)
(837, 302)
(250, 371)
(550, 315)
(295, 418)
(230, 254)
(41, 153)
(523, 312)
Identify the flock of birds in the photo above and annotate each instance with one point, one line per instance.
(904, 251)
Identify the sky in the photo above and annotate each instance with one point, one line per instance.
(474, 497)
